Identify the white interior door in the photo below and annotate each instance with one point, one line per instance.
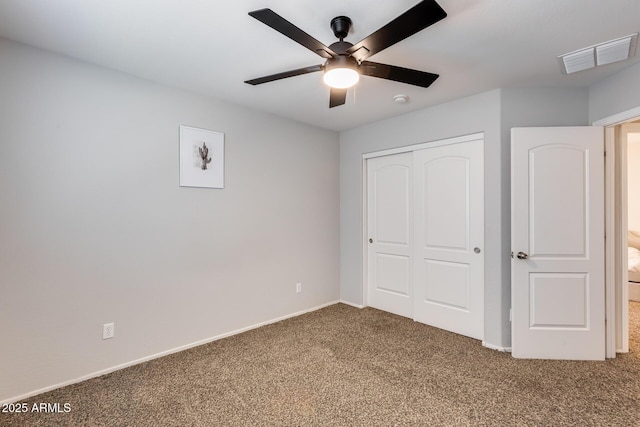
(389, 207)
(557, 236)
(449, 238)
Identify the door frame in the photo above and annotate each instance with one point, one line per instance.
(622, 226)
(616, 290)
(364, 206)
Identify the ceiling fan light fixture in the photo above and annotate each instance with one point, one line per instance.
(341, 78)
(341, 72)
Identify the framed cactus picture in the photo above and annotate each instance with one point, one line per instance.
(201, 158)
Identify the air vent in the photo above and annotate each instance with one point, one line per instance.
(614, 51)
(600, 54)
(579, 60)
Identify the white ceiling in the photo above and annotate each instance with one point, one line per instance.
(210, 47)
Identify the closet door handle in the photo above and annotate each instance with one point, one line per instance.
(370, 240)
(522, 255)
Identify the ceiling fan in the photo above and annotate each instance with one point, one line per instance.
(345, 62)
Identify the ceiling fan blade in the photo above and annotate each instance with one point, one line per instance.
(416, 19)
(337, 97)
(284, 75)
(278, 23)
(398, 74)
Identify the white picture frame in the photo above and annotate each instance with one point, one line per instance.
(201, 158)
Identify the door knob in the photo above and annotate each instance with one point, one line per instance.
(522, 255)
(370, 240)
(476, 250)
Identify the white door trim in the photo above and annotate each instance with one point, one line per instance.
(618, 119)
(623, 242)
(432, 144)
(364, 212)
(609, 249)
(363, 187)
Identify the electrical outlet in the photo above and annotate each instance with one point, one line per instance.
(298, 287)
(108, 330)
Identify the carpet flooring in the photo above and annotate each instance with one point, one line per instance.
(341, 366)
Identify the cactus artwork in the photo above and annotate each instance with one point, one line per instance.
(204, 156)
(201, 158)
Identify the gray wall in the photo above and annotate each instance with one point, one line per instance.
(94, 227)
(616, 94)
(480, 113)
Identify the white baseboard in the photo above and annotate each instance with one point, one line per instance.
(161, 354)
(496, 347)
(351, 304)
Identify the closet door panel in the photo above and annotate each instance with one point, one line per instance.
(389, 225)
(449, 229)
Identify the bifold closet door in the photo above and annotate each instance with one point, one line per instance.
(449, 238)
(389, 205)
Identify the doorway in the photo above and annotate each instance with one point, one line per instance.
(631, 132)
(617, 244)
(627, 140)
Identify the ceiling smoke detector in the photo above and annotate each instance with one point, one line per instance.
(401, 99)
(601, 54)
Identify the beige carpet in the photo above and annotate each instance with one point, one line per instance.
(350, 367)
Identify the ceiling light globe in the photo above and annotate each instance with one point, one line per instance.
(341, 78)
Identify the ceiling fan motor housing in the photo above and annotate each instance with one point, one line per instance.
(341, 61)
(341, 47)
